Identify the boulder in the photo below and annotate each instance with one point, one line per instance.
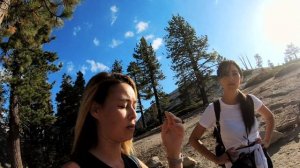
(154, 162)
(275, 136)
(189, 162)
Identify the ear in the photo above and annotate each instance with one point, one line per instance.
(95, 110)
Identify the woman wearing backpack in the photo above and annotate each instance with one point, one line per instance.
(238, 124)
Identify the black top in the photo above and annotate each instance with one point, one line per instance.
(88, 160)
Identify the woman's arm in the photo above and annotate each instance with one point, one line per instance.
(172, 134)
(194, 140)
(268, 117)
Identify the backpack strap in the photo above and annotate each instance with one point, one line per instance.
(135, 160)
(217, 110)
(217, 130)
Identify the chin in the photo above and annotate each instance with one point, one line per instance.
(127, 137)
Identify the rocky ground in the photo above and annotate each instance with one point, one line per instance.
(281, 95)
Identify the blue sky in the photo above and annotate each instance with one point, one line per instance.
(102, 31)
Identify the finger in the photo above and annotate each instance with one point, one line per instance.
(165, 124)
(175, 119)
(170, 117)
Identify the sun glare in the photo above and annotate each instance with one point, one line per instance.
(281, 21)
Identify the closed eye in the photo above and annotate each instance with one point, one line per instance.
(122, 106)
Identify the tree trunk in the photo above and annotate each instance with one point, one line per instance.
(14, 131)
(140, 103)
(141, 110)
(200, 82)
(156, 100)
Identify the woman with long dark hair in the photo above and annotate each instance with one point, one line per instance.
(238, 125)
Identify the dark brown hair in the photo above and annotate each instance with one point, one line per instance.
(97, 90)
(246, 104)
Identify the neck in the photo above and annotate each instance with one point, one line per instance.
(230, 97)
(108, 152)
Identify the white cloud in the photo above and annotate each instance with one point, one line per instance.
(114, 11)
(149, 37)
(129, 34)
(96, 42)
(76, 30)
(141, 26)
(97, 66)
(114, 43)
(70, 67)
(83, 69)
(156, 43)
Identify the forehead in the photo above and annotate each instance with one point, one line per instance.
(122, 91)
(231, 68)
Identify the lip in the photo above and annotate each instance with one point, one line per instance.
(131, 126)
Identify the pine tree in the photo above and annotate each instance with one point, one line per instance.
(258, 60)
(135, 73)
(117, 66)
(37, 116)
(27, 26)
(189, 56)
(291, 52)
(150, 69)
(79, 85)
(3, 127)
(68, 102)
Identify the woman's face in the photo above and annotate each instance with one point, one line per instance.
(231, 79)
(116, 116)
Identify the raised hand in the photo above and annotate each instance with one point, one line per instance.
(172, 135)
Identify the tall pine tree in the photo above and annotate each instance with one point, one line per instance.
(117, 66)
(150, 69)
(68, 102)
(135, 73)
(189, 56)
(36, 114)
(27, 26)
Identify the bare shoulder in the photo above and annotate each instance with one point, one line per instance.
(71, 165)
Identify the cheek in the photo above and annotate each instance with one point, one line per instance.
(114, 117)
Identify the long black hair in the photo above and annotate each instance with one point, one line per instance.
(246, 104)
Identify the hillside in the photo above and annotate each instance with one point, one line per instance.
(280, 91)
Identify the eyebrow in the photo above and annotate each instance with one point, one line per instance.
(126, 99)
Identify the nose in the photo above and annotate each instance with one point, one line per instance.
(132, 113)
(231, 76)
